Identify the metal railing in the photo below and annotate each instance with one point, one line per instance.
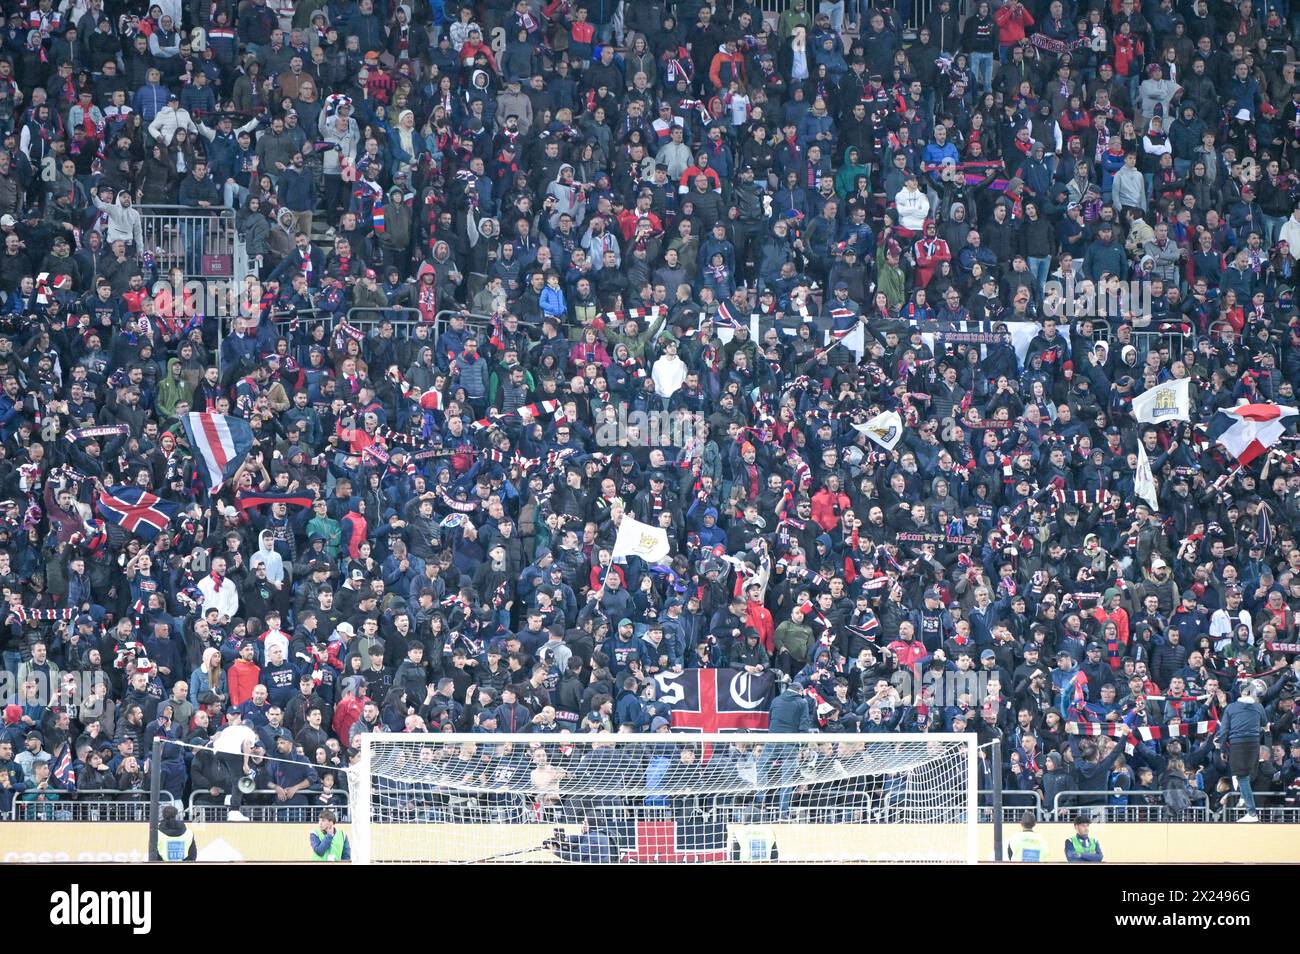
(1139, 806)
(480, 324)
(203, 243)
(98, 805)
(1014, 805)
(365, 318)
(369, 318)
(1145, 341)
(772, 10)
(1175, 341)
(264, 808)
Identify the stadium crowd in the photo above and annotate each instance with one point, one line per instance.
(664, 260)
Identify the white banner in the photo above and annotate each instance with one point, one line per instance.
(640, 539)
(1169, 401)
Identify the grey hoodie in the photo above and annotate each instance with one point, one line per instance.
(123, 222)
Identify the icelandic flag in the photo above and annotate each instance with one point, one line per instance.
(219, 442)
(136, 510)
(1249, 430)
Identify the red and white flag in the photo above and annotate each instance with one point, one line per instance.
(1249, 430)
(219, 442)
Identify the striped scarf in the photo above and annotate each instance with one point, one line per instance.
(43, 615)
(1135, 735)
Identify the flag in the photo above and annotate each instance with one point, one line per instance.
(1170, 401)
(886, 429)
(1264, 530)
(1248, 430)
(136, 510)
(726, 319)
(220, 443)
(1144, 483)
(640, 539)
(252, 499)
(852, 338)
(63, 769)
(694, 841)
(717, 700)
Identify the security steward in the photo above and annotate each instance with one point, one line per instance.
(175, 841)
(1027, 845)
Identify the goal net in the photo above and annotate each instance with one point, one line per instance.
(697, 798)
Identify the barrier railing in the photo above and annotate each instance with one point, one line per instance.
(203, 243)
(482, 324)
(101, 805)
(1142, 806)
(1175, 341)
(260, 806)
(1014, 805)
(367, 318)
(772, 10)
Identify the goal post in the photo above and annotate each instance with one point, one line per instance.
(665, 798)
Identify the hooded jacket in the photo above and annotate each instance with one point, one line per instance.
(123, 222)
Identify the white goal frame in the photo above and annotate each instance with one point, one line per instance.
(361, 771)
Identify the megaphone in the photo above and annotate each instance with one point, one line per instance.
(246, 784)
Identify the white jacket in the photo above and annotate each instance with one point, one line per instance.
(226, 600)
(168, 120)
(669, 374)
(913, 209)
(1291, 232)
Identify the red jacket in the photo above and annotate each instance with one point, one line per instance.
(346, 713)
(241, 680)
(733, 63)
(759, 618)
(354, 533)
(907, 653)
(470, 50)
(928, 256)
(827, 507)
(1012, 24)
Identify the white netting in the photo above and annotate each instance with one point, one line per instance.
(664, 798)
